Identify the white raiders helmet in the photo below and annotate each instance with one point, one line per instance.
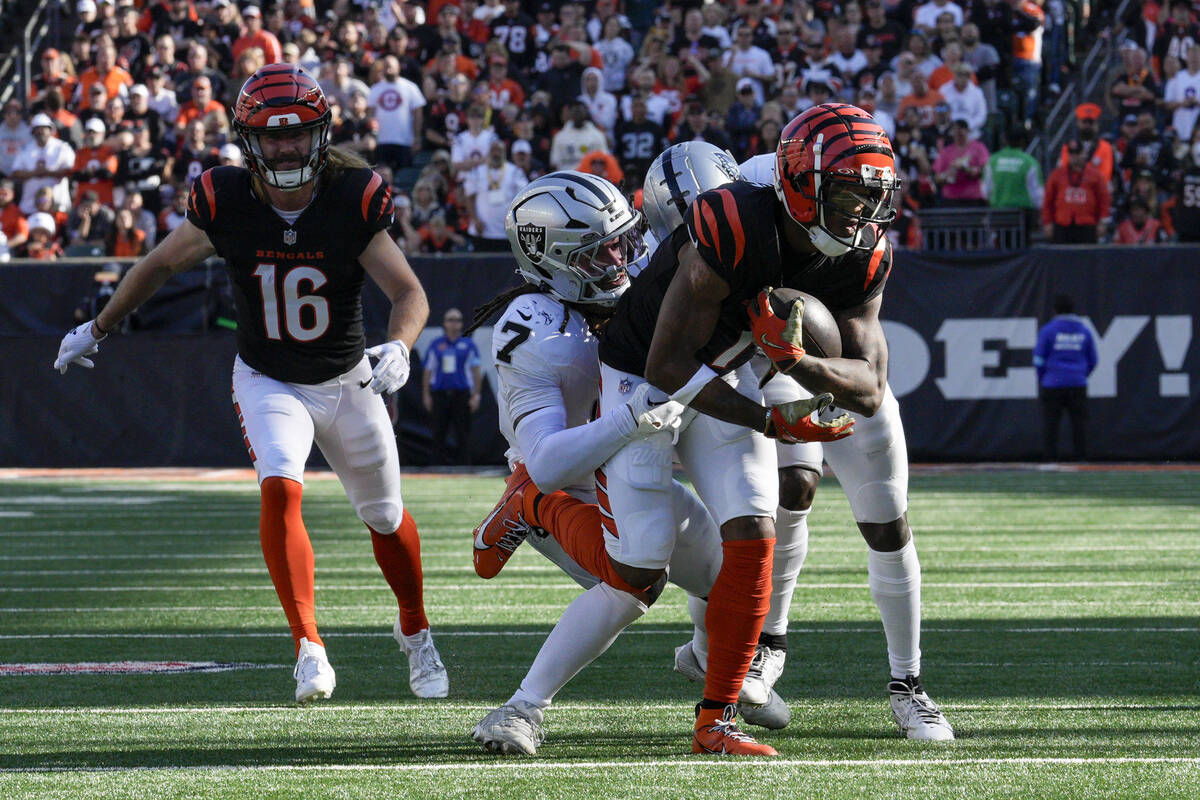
(677, 176)
(574, 234)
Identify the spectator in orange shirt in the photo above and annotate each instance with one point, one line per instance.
(53, 74)
(125, 240)
(1139, 227)
(202, 107)
(12, 221)
(105, 73)
(502, 89)
(1099, 151)
(255, 36)
(42, 244)
(1077, 201)
(95, 163)
(922, 98)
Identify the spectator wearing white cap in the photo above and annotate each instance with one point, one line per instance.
(46, 161)
(43, 243)
(14, 135)
(255, 36)
(139, 111)
(95, 163)
(522, 156)
(230, 155)
(89, 20)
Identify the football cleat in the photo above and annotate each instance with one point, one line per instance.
(722, 737)
(773, 714)
(917, 715)
(504, 529)
(512, 728)
(686, 663)
(314, 676)
(426, 673)
(764, 671)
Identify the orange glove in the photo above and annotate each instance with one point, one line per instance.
(780, 339)
(792, 423)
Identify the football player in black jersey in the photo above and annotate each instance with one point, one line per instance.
(684, 327)
(299, 229)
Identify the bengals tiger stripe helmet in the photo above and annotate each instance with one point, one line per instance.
(282, 97)
(835, 172)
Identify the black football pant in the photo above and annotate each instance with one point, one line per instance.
(451, 407)
(1073, 400)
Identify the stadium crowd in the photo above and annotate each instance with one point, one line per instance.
(460, 104)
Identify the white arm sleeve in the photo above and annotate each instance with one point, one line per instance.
(557, 456)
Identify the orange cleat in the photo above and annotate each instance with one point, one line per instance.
(503, 530)
(719, 735)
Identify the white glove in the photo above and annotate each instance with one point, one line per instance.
(391, 369)
(654, 416)
(76, 346)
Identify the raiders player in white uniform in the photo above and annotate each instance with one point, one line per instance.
(872, 469)
(544, 348)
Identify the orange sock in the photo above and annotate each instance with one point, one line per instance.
(289, 555)
(737, 605)
(399, 557)
(577, 526)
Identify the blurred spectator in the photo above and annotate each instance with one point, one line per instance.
(53, 74)
(1027, 51)
(926, 60)
(503, 90)
(489, 188)
(141, 166)
(42, 244)
(396, 103)
(140, 112)
(143, 219)
(1139, 227)
(436, 236)
(1149, 149)
(578, 137)
(639, 139)
(175, 214)
(90, 222)
(161, 99)
(698, 125)
(1135, 89)
(952, 57)
(922, 98)
(174, 18)
(913, 165)
(869, 75)
(13, 223)
(984, 59)
(192, 156)
(15, 135)
(514, 29)
(747, 60)
(601, 105)
(742, 121)
(66, 124)
(959, 167)
(230, 155)
(1181, 96)
(906, 67)
(1064, 356)
(202, 108)
(46, 161)
(1077, 201)
(470, 146)
(1099, 151)
(125, 240)
(603, 164)
(888, 33)
(198, 67)
(450, 388)
(105, 73)
(423, 204)
(97, 104)
(522, 156)
(255, 36)
(1013, 177)
(1182, 212)
(926, 14)
(617, 53)
(95, 164)
(657, 106)
(43, 202)
(966, 100)
(847, 58)
(1178, 34)
(355, 129)
(338, 80)
(865, 99)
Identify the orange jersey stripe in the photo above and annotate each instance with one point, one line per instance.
(710, 219)
(369, 192)
(735, 225)
(210, 195)
(702, 235)
(876, 260)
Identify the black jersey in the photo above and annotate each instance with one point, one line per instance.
(298, 287)
(735, 230)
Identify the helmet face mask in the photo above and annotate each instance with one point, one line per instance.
(278, 100)
(835, 175)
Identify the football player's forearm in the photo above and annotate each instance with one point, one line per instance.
(853, 382)
(720, 400)
(410, 311)
(144, 279)
(557, 456)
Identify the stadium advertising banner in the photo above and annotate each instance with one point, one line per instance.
(961, 330)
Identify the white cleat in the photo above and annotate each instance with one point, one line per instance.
(773, 714)
(512, 728)
(426, 673)
(686, 663)
(314, 676)
(765, 669)
(917, 715)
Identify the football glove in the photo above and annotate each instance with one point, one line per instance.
(653, 416)
(793, 423)
(76, 346)
(781, 340)
(391, 367)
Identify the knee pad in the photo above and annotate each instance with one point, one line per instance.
(880, 501)
(382, 516)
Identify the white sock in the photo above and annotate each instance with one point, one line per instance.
(791, 548)
(586, 629)
(697, 606)
(895, 580)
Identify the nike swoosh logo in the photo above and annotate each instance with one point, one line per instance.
(524, 316)
(762, 339)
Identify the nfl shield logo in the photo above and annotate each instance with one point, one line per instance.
(533, 241)
(624, 386)
(289, 236)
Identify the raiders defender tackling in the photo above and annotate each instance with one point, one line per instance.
(299, 230)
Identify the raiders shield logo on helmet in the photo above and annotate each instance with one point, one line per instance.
(533, 241)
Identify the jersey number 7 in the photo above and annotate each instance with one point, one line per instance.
(522, 333)
(293, 303)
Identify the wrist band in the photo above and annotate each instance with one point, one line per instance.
(687, 393)
(103, 332)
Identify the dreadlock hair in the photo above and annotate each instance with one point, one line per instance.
(488, 310)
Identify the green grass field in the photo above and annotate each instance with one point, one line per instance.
(1062, 637)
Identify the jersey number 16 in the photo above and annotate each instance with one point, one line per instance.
(293, 303)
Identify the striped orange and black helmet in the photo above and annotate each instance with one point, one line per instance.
(276, 99)
(835, 172)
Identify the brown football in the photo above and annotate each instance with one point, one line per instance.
(821, 335)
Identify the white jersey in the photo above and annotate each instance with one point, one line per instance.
(539, 363)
